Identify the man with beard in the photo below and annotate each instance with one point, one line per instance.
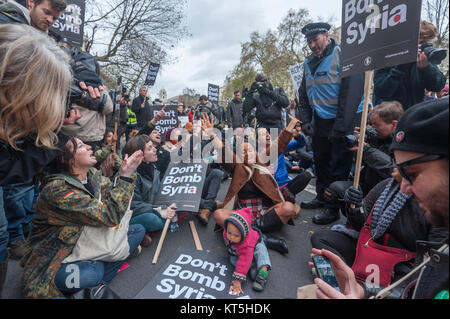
(421, 152)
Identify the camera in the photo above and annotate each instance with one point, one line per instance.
(371, 137)
(435, 56)
(260, 85)
(82, 98)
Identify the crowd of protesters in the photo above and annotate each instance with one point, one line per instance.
(63, 169)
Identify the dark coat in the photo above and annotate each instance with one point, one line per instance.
(235, 118)
(406, 83)
(144, 115)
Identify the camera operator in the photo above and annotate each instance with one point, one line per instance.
(269, 102)
(407, 83)
(215, 112)
(378, 159)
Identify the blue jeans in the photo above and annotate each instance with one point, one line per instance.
(19, 210)
(4, 235)
(260, 257)
(92, 273)
(150, 221)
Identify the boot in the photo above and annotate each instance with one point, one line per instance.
(314, 204)
(297, 211)
(269, 223)
(327, 216)
(203, 216)
(3, 270)
(275, 243)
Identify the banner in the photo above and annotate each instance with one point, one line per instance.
(297, 75)
(194, 275)
(379, 34)
(213, 93)
(70, 25)
(152, 73)
(167, 123)
(182, 185)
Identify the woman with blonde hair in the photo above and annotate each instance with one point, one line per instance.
(34, 84)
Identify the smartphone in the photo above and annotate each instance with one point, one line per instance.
(325, 271)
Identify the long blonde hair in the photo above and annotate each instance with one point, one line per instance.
(35, 78)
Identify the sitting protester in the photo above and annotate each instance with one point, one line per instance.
(68, 201)
(391, 221)
(108, 161)
(148, 180)
(253, 185)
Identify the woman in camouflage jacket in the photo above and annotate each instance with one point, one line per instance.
(68, 201)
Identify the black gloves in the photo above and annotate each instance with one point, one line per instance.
(354, 196)
(307, 129)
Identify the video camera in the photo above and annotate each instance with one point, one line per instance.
(82, 98)
(371, 137)
(435, 56)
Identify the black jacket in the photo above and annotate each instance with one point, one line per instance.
(143, 115)
(406, 83)
(235, 118)
(350, 95)
(23, 166)
(268, 106)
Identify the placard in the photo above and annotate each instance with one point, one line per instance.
(70, 25)
(213, 93)
(182, 185)
(152, 73)
(192, 274)
(167, 123)
(378, 34)
(297, 75)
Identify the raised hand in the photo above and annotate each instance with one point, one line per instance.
(130, 164)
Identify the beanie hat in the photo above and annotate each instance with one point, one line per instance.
(189, 126)
(240, 222)
(424, 129)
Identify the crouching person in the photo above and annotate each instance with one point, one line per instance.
(74, 195)
(246, 245)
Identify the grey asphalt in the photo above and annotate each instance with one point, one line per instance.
(289, 272)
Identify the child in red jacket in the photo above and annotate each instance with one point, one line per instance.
(245, 244)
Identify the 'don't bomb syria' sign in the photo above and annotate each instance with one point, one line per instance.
(70, 25)
(378, 34)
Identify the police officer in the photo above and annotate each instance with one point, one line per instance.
(132, 121)
(329, 110)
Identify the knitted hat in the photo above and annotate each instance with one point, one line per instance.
(313, 29)
(189, 126)
(240, 222)
(423, 129)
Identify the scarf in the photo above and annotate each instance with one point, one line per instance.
(386, 210)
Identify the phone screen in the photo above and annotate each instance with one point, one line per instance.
(325, 271)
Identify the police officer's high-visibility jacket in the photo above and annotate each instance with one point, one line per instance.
(132, 120)
(324, 86)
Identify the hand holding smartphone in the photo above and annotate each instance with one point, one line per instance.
(325, 271)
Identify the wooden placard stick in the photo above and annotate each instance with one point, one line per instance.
(294, 119)
(198, 244)
(362, 139)
(161, 241)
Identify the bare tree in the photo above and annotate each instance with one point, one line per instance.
(436, 12)
(127, 35)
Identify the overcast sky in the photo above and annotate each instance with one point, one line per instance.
(218, 29)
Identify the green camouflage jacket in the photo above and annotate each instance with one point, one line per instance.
(63, 208)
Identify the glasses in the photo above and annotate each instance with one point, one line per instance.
(419, 160)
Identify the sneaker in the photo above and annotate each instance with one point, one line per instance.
(260, 283)
(16, 249)
(136, 252)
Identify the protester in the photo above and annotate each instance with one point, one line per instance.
(253, 186)
(180, 110)
(212, 110)
(163, 155)
(141, 108)
(407, 83)
(69, 200)
(245, 244)
(108, 161)
(268, 101)
(235, 118)
(148, 180)
(335, 110)
(378, 159)
(117, 121)
(424, 168)
(392, 219)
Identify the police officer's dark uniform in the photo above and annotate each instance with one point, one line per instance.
(329, 110)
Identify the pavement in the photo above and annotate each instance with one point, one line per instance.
(289, 271)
